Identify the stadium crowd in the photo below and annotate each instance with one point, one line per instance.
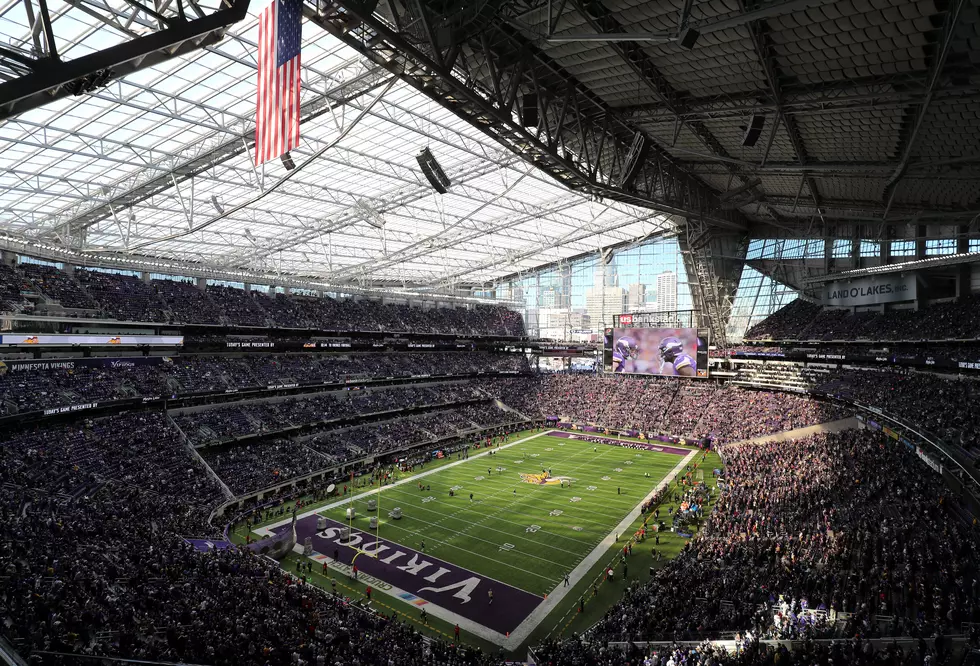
(238, 419)
(747, 651)
(901, 353)
(246, 467)
(68, 383)
(848, 522)
(663, 406)
(126, 297)
(258, 465)
(833, 531)
(93, 563)
(946, 413)
(801, 320)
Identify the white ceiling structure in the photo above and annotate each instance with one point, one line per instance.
(158, 164)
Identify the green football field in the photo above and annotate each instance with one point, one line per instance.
(517, 530)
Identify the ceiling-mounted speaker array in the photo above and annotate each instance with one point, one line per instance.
(433, 172)
(688, 38)
(87, 84)
(754, 130)
(529, 110)
(634, 158)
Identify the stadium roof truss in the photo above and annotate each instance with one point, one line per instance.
(158, 164)
(869, 111)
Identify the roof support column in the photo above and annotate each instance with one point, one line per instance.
(713, 263)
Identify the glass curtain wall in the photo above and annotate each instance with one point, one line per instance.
(757, 297)
(574, 300)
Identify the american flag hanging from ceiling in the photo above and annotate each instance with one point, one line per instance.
(277, 102)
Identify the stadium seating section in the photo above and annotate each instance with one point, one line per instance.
(786, 552)
(28, 391)
(783, 553)
(94, 293)
(662, 405)
(800, 320)
(827, 536)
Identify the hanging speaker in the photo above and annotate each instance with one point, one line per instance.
(432, 171)
(753, 131)
(688, 38)
(529, 111)
(634, 158)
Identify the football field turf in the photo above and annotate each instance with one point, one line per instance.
(516, 529)
(544, 507)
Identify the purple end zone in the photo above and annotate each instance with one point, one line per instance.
(649, 446)
(442, 583)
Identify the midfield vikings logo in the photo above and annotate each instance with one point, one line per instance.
(545, 479)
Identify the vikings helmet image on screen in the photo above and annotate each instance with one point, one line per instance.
(655, 351)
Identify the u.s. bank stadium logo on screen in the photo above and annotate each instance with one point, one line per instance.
(545, 479)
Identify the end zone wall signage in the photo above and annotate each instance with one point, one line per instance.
(871, 291)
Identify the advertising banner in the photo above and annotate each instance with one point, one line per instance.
(929, 460)
(112, 340)
(872, 290)
(71, 364)
(858, 356)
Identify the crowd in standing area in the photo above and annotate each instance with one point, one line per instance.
(91, 553)
(94, 512)
(748, 651)
(69, 383)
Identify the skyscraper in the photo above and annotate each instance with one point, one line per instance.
(667, 292)
(603, 303)
(636, 297)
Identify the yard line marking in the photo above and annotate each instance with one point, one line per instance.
(558, 593)
(484, 516)
(471, 524)
(430, 551)
(555, 597)
(521, 500)
(267, 529)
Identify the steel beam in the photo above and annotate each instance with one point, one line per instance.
(51, 77)
(585, 152)
(704, 27)
(164, 179)
(543, 246)
(885, 93)
(920, 111)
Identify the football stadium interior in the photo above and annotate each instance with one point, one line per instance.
(484, 332)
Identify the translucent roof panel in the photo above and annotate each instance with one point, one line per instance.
(107, 172)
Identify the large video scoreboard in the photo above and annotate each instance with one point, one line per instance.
(679, 351)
